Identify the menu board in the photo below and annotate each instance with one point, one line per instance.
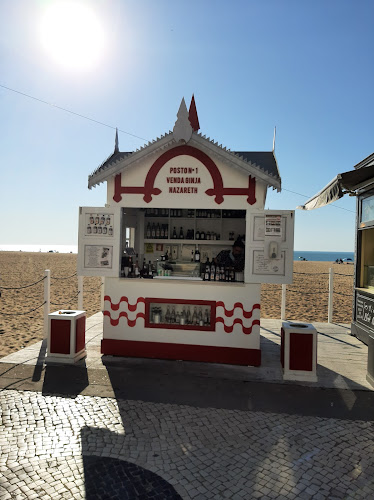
(262, 265)
(99, 224)
(365, 310)
(98, 256)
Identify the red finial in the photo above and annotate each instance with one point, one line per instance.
(192, 115)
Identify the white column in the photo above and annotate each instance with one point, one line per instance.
(47, 302)
(80, 293)
(283, 304)
(102, 292)
(331, 290)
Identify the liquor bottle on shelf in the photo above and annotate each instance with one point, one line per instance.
(197, 254)
(207, 270)
(208, 235)
(137, 272)
(206, 317)
(188, 316)
(181, 235)
(183, 316)
(212, 271)
(200, 317)
(166, 232)
(162, 231)
(194, 316)
(178, 318)
(197, 236)
(158, 231)
(172, 316)
(153, 231)
(167, 315)
(174, 233)
(202, 235)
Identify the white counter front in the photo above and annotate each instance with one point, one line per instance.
(232, 334)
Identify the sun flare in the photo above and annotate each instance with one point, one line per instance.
(72, 35)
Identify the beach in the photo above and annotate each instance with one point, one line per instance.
(307, 297)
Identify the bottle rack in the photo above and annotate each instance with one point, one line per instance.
(190, 225)
(156, 314)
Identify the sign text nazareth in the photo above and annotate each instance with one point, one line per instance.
(188, 175)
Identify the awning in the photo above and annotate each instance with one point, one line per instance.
(347, 182)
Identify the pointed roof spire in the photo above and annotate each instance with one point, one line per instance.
(275, 132)
(192, 115)
(182, 130)
(116, 149)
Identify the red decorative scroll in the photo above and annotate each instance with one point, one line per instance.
(132, 307)
(130, 322)
(229, 329)
(229, 313)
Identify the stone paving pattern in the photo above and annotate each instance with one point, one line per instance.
(54, 447)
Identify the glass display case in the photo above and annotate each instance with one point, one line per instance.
(170, 269)
(369, 277)
(180, 314)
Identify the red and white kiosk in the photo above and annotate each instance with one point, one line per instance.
(171, 206)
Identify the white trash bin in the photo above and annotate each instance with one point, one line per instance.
(66, 336)
(299, 351)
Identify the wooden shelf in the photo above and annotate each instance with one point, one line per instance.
(190, 242)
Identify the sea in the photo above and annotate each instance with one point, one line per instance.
(297, 255)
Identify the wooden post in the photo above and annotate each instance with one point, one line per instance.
(331, 290)
(80, 293)
(283, 304)
(47, 301)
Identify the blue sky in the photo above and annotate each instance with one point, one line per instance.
(305, 67)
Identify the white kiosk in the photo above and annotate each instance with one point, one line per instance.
(173, 206)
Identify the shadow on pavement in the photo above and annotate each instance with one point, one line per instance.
(65, 380)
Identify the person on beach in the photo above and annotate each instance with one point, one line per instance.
(234, 257)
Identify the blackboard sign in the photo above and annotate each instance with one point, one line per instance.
(365, 310)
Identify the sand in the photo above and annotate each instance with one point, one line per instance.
(306, 298)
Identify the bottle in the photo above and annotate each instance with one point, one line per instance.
(144, 269)
(178, 318)
(181, 235)
(197, 255)
(167, 315)
(172, 316)
(148, 234)
(153, 231)
(202, 235)
(137, 272)
(194, 316)
(208, 235)
(212, 271)
(162, 232)
(158, 230)
(174, 233)
(192, 255)
(188, 316)
(150, 270)
(197, 235)
(88, 229)
(206, 317)
(166, 234)
(200, 317)
(207, 270)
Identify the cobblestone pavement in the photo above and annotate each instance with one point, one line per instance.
(91, 447)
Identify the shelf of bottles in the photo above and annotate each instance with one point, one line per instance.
(180, 314)
(186, 226)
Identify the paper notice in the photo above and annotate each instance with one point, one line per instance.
(98, 256)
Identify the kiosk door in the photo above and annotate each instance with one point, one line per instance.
(99, 240)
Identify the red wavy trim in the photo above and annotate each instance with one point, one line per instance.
(132, 307)
(229, 313)
(130, 322)
(229, 329)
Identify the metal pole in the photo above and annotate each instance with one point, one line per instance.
(80, 293)
(47, 302)
(331, 290)
(283, 305)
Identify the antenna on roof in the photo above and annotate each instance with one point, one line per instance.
(116, 150)
(275, 131)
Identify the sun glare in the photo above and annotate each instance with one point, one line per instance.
(72, 35)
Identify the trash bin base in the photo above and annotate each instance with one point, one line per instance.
(370, 379)
(300, 376)
(55, 358)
